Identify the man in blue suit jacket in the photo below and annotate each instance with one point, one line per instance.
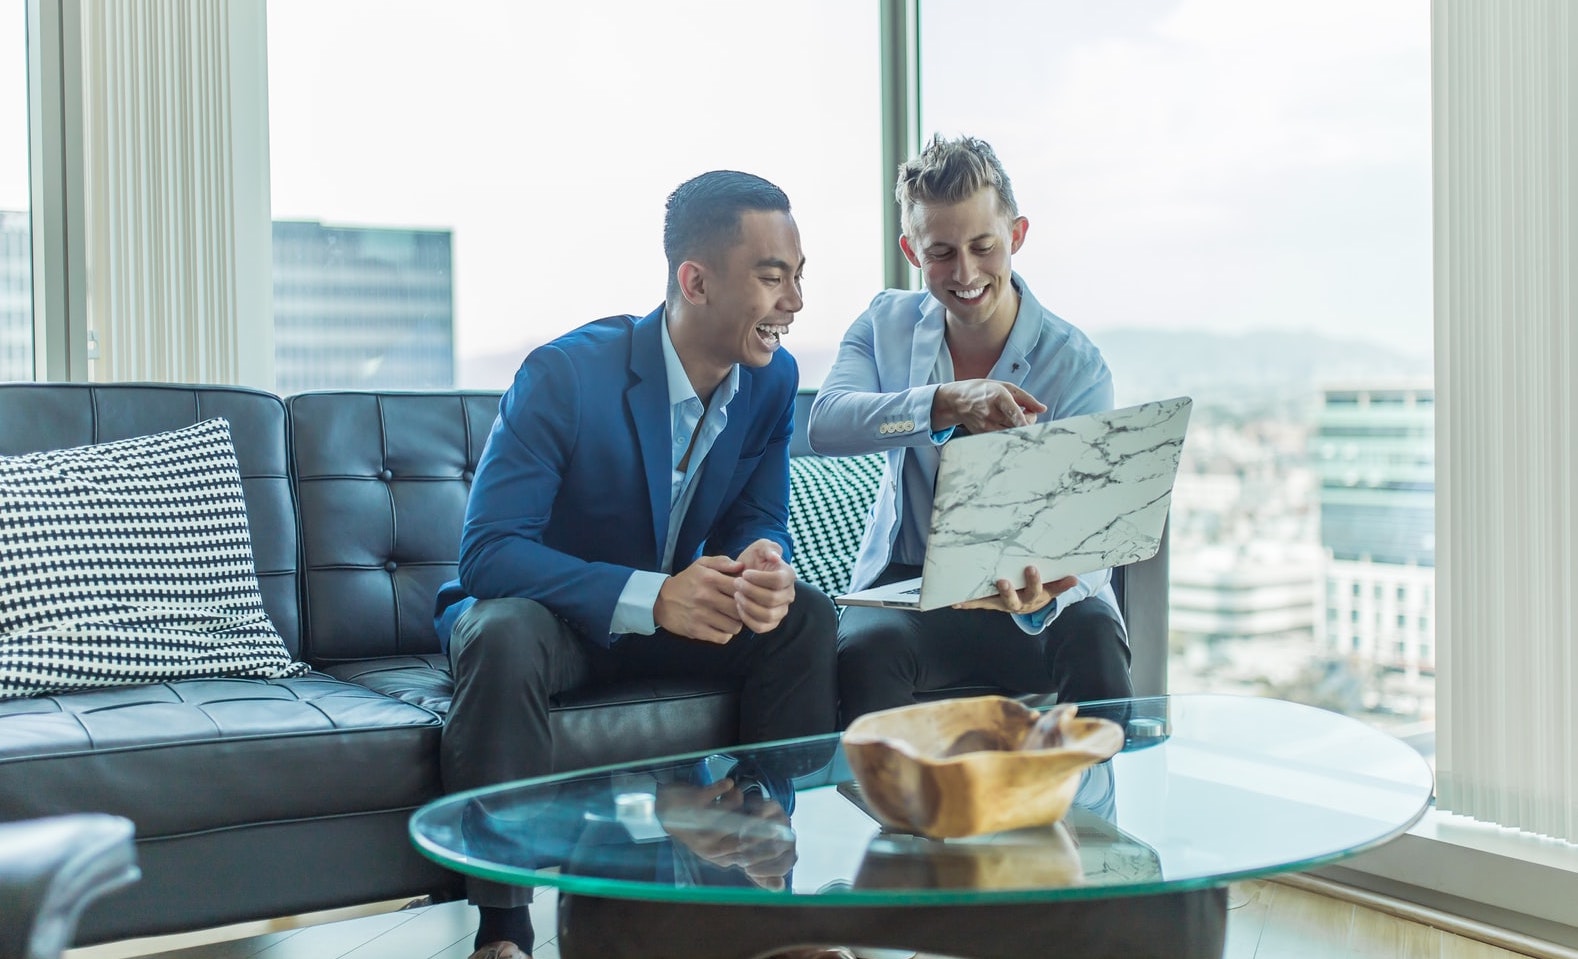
(974, 351)
(629, 516)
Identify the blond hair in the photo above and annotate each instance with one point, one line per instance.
(951, 170)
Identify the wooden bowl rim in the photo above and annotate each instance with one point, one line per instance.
(1090, 727)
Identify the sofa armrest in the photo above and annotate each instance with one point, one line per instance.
(50, 869)
(1144, 605)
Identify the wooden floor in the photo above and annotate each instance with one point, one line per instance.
(1266, 920)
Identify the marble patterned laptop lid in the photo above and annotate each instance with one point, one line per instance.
(1067, 496)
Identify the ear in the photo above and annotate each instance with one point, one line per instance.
(692, 282)
(1021, 226)
(909, 252)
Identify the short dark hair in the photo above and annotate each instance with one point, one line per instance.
(703, 215)
(951, 170)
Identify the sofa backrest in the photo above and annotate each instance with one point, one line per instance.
(372, 520)
(48, 416)
(381, 482)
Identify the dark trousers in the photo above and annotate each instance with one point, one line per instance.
(510, 657)
(886, 656)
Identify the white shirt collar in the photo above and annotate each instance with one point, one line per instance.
(679, 386)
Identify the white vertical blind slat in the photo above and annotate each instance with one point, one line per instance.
(1507, 498)
(161, 190)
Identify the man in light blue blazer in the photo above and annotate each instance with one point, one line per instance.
(975, 351)
(629, 516)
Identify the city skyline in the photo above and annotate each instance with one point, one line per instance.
(1215, 165)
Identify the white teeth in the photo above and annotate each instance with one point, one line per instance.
(969, 294)
(771, 331)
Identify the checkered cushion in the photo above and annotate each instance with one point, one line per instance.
(130, 562)
(829, 505)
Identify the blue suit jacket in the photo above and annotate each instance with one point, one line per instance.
(572, 492)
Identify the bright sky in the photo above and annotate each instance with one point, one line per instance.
(13, 108)
(1218, 165)
(548, 137)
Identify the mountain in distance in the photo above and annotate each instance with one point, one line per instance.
(496, 371)
(1249, 371)
(1242, 373)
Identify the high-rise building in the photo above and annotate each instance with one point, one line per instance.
(354, 307)
(16, 296)
(1375, 450)
(1245, 565)
(1257, 591)
(362, 307)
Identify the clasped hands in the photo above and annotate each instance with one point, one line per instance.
(728, 828)
(715, 597)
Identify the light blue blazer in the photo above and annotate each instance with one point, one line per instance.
(878, 399)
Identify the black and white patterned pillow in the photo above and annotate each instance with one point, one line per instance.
(829, 505)
(130, 562)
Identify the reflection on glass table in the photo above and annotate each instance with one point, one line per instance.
(1207, 790)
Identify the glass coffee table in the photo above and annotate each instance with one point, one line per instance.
(742, 853)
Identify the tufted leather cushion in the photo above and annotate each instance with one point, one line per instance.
(183, 757)
(49, 416)
(382, 480)
(591, 726)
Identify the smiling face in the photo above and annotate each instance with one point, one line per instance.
(964, 251)
(740, 302)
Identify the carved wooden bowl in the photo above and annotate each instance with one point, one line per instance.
(1040, 857)
(958, 767)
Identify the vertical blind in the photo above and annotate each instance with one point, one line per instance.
(1505, 91)
(172, 211)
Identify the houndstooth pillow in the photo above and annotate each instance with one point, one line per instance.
(829, 505)
(130, 562)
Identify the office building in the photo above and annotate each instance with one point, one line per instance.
(1375, 452)
(16, 296)
(362, 307)
(354, 307)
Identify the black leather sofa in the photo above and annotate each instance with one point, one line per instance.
(50, 870)
(262, 798)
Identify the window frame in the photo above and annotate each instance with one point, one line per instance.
(1515, 880)
(54, 67)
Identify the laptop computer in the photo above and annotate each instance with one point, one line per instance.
(1066, 496)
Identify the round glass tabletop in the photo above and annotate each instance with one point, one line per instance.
(1207, 789)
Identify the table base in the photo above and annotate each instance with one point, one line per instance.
(1181, 925)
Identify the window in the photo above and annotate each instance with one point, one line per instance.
(1232, 199)
(16, 245)
(493, 179)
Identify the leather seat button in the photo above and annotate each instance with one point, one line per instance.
(466, 475)
(389, 567)
(386, 475)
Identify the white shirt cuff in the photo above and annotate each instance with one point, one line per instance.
(633, 611)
